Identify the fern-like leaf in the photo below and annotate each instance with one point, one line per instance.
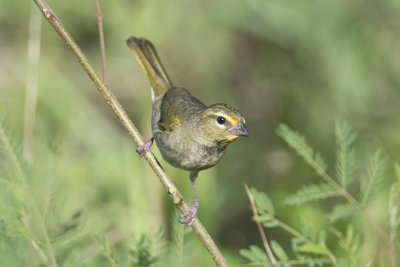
(263, 202)
(371, 184)
(314, 249)
(254, 255)
(12, 153)
(309, 232)
(268, 221)
(180, 243)
(279, 251)
(342, 211)
(311, 192)
(345, 162)
(394, 201)
(299, 144)
(351, 242)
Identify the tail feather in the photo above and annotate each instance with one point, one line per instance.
(148, 58)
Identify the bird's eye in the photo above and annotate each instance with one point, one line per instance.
(221, 120)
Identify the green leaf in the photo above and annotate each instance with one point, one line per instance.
(302, 225)
(271, 224)
(394, 206)
(345, 162)
(246, 253)
(262, 201)
(278, 250)
(312, 234)
(349, 235)
(311, 192)
(265, 218)
(371, 184)
(342, 211)
(299, 144)
(255, 254)
(259, 253)
(322, 237)
(268, 221)
(350, 243)
(397, 171)
(356, 245)
(313, 249)
(307, 230)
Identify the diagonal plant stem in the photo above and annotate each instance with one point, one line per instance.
(110, 98)
(299, 235)
(101, 40)
(282, 225)
(260, 228)
(308, 157)
(328, 179)
(351, 199)
(31, 87)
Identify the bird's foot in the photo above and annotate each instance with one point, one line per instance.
(190, 215)
(145, 147)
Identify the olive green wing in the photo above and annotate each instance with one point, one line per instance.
(177, 109)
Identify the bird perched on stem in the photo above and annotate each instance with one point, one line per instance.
(190, 135)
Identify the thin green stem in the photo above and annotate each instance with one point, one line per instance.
(297, 234)
(392, 248)
(351, 199)
(101, 40)
(110, 98)
(344, 244)
(9, 149)
(31, 86)
(347, 196)
(259, 226)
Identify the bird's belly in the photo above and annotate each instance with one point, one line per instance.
(186, 154)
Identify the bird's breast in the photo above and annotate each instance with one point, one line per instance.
(182, 152)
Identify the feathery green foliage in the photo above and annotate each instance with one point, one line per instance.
(394, 201)
(263, 202)
(345, 156)
(350, 242)
(342, 211)
(66, 239)
(148, 250)
(299, 144)
(310, 246)
(179, 249)
(371, 184)
(312, 192)
(279, 251)
(255, 255)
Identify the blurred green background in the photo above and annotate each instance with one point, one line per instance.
(303, 63)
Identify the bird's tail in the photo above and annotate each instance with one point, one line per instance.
(148, 58)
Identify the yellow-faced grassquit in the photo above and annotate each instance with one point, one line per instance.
(190, 135)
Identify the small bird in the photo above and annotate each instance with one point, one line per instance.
(190, 135)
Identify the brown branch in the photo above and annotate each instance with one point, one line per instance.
(101, 40)
(259, 226)
(180, 203)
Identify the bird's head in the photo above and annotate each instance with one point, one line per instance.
(222, 124)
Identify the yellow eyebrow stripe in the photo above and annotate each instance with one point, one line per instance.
(232, 120)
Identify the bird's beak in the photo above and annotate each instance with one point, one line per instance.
(240, 130)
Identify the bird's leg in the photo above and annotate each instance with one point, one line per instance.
(145, 147)
(190, 214)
